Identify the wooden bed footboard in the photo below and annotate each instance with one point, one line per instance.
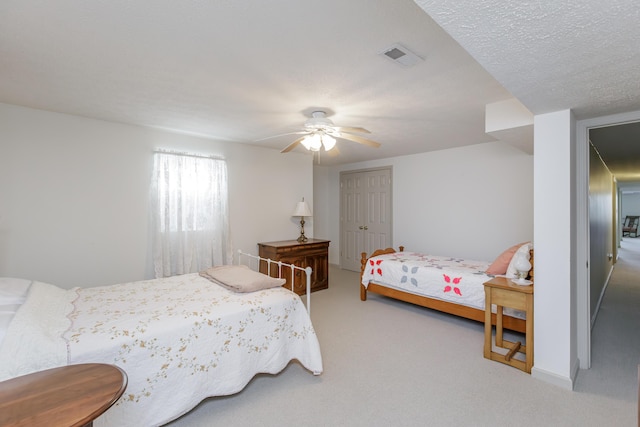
(363, 265)
(508, 322)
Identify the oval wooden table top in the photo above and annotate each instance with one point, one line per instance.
(72, 395)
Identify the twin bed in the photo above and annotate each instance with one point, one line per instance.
(447, 284)
(179, 339)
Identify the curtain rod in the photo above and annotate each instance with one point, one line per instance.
(180, 153)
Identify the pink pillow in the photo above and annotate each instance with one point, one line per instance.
(500, 265)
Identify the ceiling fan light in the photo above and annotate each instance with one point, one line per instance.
(328, 141)
(312, 142)
(306, 142)
(316, 143)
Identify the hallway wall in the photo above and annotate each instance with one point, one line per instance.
(601, 191)
(630, 204)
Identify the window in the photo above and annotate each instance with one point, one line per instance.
(189, 213)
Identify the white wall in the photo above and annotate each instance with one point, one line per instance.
(630, 204)
(555, 288)
(470, 202)
(321, 225)
(74, 195)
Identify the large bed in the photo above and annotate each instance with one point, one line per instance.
(447, 284)
(179, 339)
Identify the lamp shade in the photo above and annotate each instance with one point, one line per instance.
(317, 140)
(302, 209)
(328, 141)
(312, 142)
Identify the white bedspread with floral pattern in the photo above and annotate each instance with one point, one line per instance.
(449, 279)
(179, 339)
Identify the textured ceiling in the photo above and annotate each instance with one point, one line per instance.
(244, 70)
(555, 55)
(552, 55)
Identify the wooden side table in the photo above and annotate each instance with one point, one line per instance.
(71, 395)
(504, 292)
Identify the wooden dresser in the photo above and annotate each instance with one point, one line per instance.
(313, 253)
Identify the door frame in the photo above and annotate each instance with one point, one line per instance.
(582, 238)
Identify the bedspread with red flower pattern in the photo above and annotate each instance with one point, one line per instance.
(450, 279)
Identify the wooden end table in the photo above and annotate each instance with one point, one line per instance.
(504, 292)
(71, 395)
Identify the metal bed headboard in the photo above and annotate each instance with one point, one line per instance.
(280, 264)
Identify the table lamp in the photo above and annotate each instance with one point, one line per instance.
(522, 266)
(302, 210)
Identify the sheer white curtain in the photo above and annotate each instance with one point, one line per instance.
(189, 213)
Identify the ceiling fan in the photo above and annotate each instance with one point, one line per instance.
(320, 132)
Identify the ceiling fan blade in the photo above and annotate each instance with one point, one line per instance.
(333, 152)
(350, 129)
(360, 140)
(282, 134)
(292, 145)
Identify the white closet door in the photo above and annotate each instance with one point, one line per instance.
(365, 214)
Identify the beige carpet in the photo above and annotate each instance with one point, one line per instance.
(393, 364)
(615, 337)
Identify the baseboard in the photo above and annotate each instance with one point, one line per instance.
(555, 379)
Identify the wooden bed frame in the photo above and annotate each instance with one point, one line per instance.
(508, 322)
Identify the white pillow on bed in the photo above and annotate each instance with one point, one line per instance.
(239, 278)
(13, 293)
(524, 250)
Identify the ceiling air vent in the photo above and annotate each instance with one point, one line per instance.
(401, 55)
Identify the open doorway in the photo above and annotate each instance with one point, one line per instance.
(619, 148)
(610, 144)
